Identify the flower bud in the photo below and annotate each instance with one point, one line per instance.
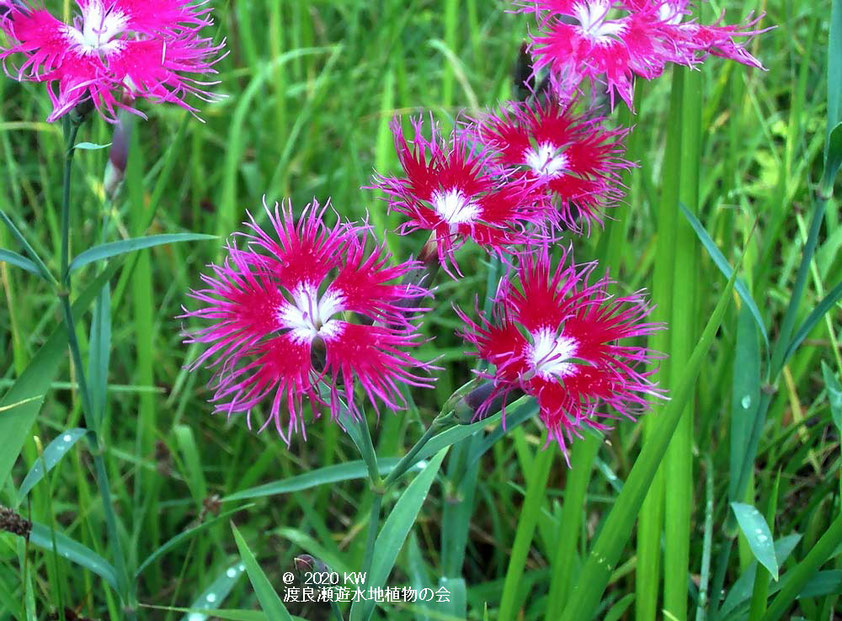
(118, 157)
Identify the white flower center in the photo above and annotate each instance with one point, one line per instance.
(593, 19)
(454, 207)
(550, 353)
(94, 32)
(309, 315)
(669, 14)
(546, 161)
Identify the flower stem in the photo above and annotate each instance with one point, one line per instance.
(373, 529)
(408, 460)
(96, 447)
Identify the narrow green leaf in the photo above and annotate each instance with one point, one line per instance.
(74, 552)
(100, 354)
(833, 145)
(796, 578)
(834, 68)
(740, 592)
(619, 609)
(722, 263)
(90, 146)
(18, 260)
(181, 538)
(535, 495)
(828, 302)
(834, 395)
(270, 603)
(594, 576)
(323, 476)
(833, 158)
(194, 474)
(30, 251)
(215, 594)
(394, 532)
(53, 454)
(745, 393)
(29, 389)
(113, 249)
(758, 535)
(823, 583)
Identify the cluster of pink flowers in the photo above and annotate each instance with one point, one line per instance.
(611, 41)
(309, 313)
(113, 52)
(312, 314)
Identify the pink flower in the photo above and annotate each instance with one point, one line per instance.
(450, 189)
(555, 337)
(575, 160)
(310, 313)
(113, 49)
(610, 41)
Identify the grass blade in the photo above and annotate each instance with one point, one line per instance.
(216, 593)
(323, 476)
(395, 531)
(33, 384)
(758, 535)
(13, 258)
(795, 579)
(535, 496)
(618, 525)
(74, 552)
(813, 318)
(113, 249)
(30, 251)
(722, 263)
(270, 603)
(53, 454)
(181, 538)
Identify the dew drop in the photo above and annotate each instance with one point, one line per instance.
(746, 401)
(231, 573)
(241, 567)
(195, 616)
(67, 437)
(211, 597)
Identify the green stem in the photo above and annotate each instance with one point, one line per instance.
(408, 460)
(369, 455)
(96, 447)
(71, 129)
(373, 529)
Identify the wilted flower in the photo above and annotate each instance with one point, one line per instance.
(450, 189)
(554, 336)
(308, 313)
(114, 49)
(610, 41)
(575, 160)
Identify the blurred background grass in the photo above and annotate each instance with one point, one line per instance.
(311, 89)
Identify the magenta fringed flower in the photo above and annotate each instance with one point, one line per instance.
(450, 189)
(610, 41)
(114, 50)
(565, 342)
(574, 159)
(308, 313)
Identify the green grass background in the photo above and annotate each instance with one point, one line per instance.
(311, 89)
